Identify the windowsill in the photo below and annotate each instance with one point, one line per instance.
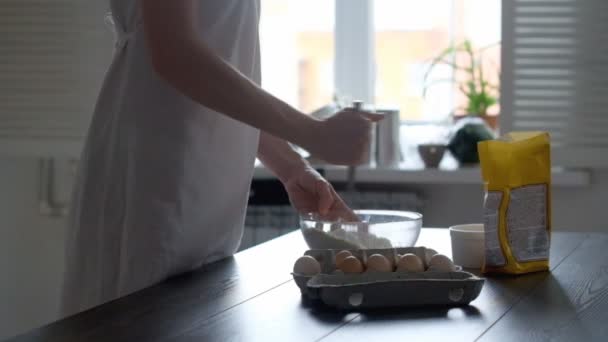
(408, 175)
(412, 171)
(409, 172)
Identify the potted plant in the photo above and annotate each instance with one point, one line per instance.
(474, 124)
(480, 92)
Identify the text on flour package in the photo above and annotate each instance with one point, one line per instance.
(516, 170)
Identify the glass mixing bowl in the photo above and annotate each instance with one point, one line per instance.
(377, 229)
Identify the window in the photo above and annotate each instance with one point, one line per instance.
(408, 34)
(375, 50)
(297, 39)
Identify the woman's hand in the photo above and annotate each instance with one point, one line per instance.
(344, 138)
(309, 192)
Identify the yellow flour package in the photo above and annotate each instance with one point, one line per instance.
(516, 170)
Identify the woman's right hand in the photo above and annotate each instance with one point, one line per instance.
(344, 138)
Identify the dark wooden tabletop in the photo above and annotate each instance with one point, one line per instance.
(252, 297)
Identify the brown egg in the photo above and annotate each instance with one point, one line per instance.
(378, 263)
(340, 256)
(307, 265)
(428, 254)
(410, 263)
(441, 263)
(351, 264)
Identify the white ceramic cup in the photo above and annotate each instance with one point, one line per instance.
(468, 245)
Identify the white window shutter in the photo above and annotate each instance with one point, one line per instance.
(53, 57)
(555, 76)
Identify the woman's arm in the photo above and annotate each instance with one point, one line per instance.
(308, 191)
(279, 157)
(181, 58)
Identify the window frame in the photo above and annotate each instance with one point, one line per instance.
(354, 67)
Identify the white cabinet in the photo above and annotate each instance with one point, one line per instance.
(53, 57)
(31, 251)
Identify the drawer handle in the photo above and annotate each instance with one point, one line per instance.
(47, 204)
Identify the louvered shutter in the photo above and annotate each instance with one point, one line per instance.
(555, 75)
(53, 56)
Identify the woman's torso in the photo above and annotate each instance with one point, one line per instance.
(164, 181)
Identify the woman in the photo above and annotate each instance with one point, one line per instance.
(169, 157)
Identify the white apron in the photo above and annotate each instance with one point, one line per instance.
(163, 181)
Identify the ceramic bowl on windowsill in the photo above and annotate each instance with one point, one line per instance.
(431, 154)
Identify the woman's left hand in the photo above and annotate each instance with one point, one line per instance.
(309, 192)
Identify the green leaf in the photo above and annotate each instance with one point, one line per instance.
(476, 88)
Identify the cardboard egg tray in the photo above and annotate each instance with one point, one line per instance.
(387, 289)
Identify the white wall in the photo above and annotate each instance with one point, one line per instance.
(31, 251)
(583, 209)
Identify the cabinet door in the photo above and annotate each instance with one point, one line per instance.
(31, 250)
(53, 56)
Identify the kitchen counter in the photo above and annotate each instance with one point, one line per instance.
(252, 297)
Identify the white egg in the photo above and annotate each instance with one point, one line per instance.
(351, 265)
(340, 256)
(307, 265)
(410, 263)
(441, 263)
(378, 263)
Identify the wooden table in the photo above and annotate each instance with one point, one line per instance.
(252, 297)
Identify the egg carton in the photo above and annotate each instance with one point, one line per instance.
(387, 289)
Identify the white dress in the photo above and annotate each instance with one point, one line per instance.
(163, 181)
